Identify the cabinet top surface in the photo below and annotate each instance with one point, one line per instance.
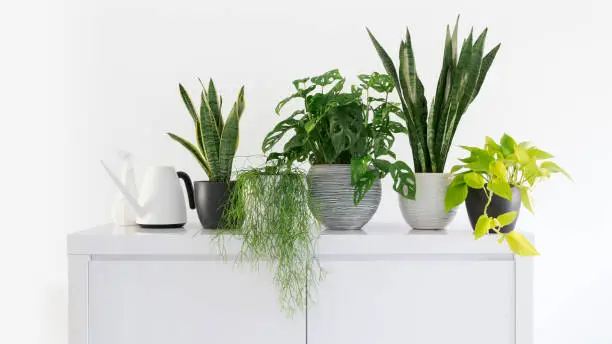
(374, 239)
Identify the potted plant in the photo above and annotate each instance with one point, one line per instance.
(431, 133)
(494, 181)
(217, 140)
(347, 138)
(269, 210)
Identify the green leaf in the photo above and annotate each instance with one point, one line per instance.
(404, 181)
(526, 199)
(210, 138)
(456, 168)
(382, 165)
(482, 227)
(213, 105)
(501, 188)
(491, 145)
(487, 61)
(538, 154)
(552, 167)
(196, 154)
(474, 180)
(507, 145)
(499, 170)
(455, 195)
(279, 131)
(531, 171)
(188, 103)
(411, 74)
(387, 62)
(362, 177)
(507, 218)
(229, 139)
(520, 245)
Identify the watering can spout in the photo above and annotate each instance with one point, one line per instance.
(129, 196)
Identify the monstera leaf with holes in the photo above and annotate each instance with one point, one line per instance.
(338, 127)
(216, 139)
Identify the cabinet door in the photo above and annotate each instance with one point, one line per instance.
(186, 302)
(414, 302)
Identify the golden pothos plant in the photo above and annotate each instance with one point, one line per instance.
(495, 169)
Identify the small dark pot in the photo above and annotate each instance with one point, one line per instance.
(210, 201)
(476, 201)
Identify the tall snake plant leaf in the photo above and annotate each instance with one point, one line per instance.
(439, 100)
(412, 75)
(230, 136)
(210, 136)
(387, 63)
(471, 75)
(194, 151)
(454, 41)
(214, 105)
(457, 90)
(415, 119)
(484, 68)
(188, 103)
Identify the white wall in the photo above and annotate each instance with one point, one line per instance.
(117, 88)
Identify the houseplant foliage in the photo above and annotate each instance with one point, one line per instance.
(337, 127)
(462, 75)
(216, 139)
(269, 209)
(496, 169)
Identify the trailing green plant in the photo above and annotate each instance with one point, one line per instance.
(462, 75)
(217, 140)
(269, 210)
(336, 127)
(495, 169)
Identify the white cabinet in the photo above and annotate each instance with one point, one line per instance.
(414, 301)
(385, 285)
(155, 301)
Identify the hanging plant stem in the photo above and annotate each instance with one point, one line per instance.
(269, 210)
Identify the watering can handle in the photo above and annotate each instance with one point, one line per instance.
(189, 186)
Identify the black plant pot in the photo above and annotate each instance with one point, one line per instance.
(210, 201)
(476, 201)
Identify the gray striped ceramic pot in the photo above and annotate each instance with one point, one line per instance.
(332, 198)
(427, 211)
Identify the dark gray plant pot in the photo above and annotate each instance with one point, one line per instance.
(476, 201)
(210, 201)
(332, 198)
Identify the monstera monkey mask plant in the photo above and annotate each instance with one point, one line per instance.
(494, 181)
(431, 132)
(217, 141)
(347, 138)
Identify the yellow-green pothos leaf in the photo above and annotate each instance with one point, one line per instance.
(501, 188)
(482, 226)
(455, 195)
(499, 170)
(526, 199)
(552, 167)
(520, 245)
(474, 180)
(507, 218)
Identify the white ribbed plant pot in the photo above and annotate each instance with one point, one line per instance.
(332, 194)
(426, 211)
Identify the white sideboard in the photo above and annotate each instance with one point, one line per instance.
(385, 285)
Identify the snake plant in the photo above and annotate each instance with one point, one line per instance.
(461, 78)
(216, 139)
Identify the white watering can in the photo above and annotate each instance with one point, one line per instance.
(161, 203)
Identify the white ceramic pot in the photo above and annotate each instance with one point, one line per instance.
(426, 211)
(332, 194)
